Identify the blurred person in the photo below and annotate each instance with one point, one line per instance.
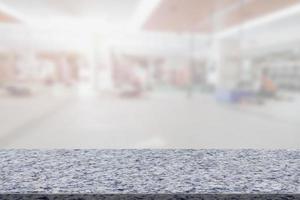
(267, 86)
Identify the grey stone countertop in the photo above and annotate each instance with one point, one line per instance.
(147, 171)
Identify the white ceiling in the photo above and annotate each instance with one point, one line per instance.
(120, 12)
(115, 12)
(273, 32)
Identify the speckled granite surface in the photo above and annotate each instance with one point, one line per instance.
(142, 172)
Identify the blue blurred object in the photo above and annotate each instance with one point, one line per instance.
(231, 96)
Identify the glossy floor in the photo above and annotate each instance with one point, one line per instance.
(155, 121)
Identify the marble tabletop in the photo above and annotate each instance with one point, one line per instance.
(149, 171)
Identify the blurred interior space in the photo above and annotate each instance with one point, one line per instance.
(150, 74)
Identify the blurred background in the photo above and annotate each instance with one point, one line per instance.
(150, 74)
